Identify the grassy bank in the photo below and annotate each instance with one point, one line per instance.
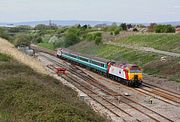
(150, 62)
(26, 96)
(165, 42)
(49, 46)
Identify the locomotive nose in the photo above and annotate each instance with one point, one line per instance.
(136, 77)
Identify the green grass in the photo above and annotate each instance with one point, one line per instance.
(46, 45)
(26, 96)
(166, 42)
(150, 62)
(4, 57)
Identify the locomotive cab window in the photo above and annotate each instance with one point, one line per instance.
(135, 69)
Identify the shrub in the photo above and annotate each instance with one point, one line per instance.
(4, 34)
(98, 40)
(4, 57)
(164, 29)
(22, 39)
(116, 32)
(123, 26)
(71, 39)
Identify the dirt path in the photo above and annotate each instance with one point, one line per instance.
(9, 49)
(147, 49)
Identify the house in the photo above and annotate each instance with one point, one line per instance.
(178, 29)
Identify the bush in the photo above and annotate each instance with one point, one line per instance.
(90, 37)
(4, 34)
(22, 39)
(164, 29)
(4, 57)
(98, 40)
(93, 36)
(59, 43)
(116, 32)
(37, 39)
(123, 26)
(71, 39)
(21, 28)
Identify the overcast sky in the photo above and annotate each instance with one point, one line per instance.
(103, 10)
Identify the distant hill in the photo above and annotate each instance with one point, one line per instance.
(58, 22)
(171, 23)
(74, 22)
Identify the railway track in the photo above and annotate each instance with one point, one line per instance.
(164, 95)
(136, 106)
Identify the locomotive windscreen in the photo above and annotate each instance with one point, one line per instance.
(135, 69)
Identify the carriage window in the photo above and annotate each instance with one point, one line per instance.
(83, 59)
(97, 63)
(74, 56)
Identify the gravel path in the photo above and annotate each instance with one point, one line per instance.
(147, 49)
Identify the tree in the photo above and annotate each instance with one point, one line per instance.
(98, 40)
(21, 28)
(4, 34)
(41, 27)
(71, 39)
(37, 39)
(164, 29)
(124, 26)
(151, 27)
(84, 27)
(116, 32)
(71, 36)
(22, 39)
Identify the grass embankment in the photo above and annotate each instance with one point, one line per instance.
(165, 42)
(150, 62)
(26, 96)
(47, 45)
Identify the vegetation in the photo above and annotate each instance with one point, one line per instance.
(20, 29)
(164, 29)
(166, 42)
(71, 37)
(114, 29)
(150, 62)
(22, 39)
(47, 45)
(4, 57)
(97, 36)
(4, 34)
(124, 26)
(28, 96)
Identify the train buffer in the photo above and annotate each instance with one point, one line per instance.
(60, 70)
(57, 70)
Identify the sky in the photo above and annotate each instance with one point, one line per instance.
(132, 11)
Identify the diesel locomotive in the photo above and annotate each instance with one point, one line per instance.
(129, 74)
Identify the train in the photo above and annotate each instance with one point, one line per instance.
(129, 74)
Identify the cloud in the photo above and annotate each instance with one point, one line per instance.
(176, 6)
